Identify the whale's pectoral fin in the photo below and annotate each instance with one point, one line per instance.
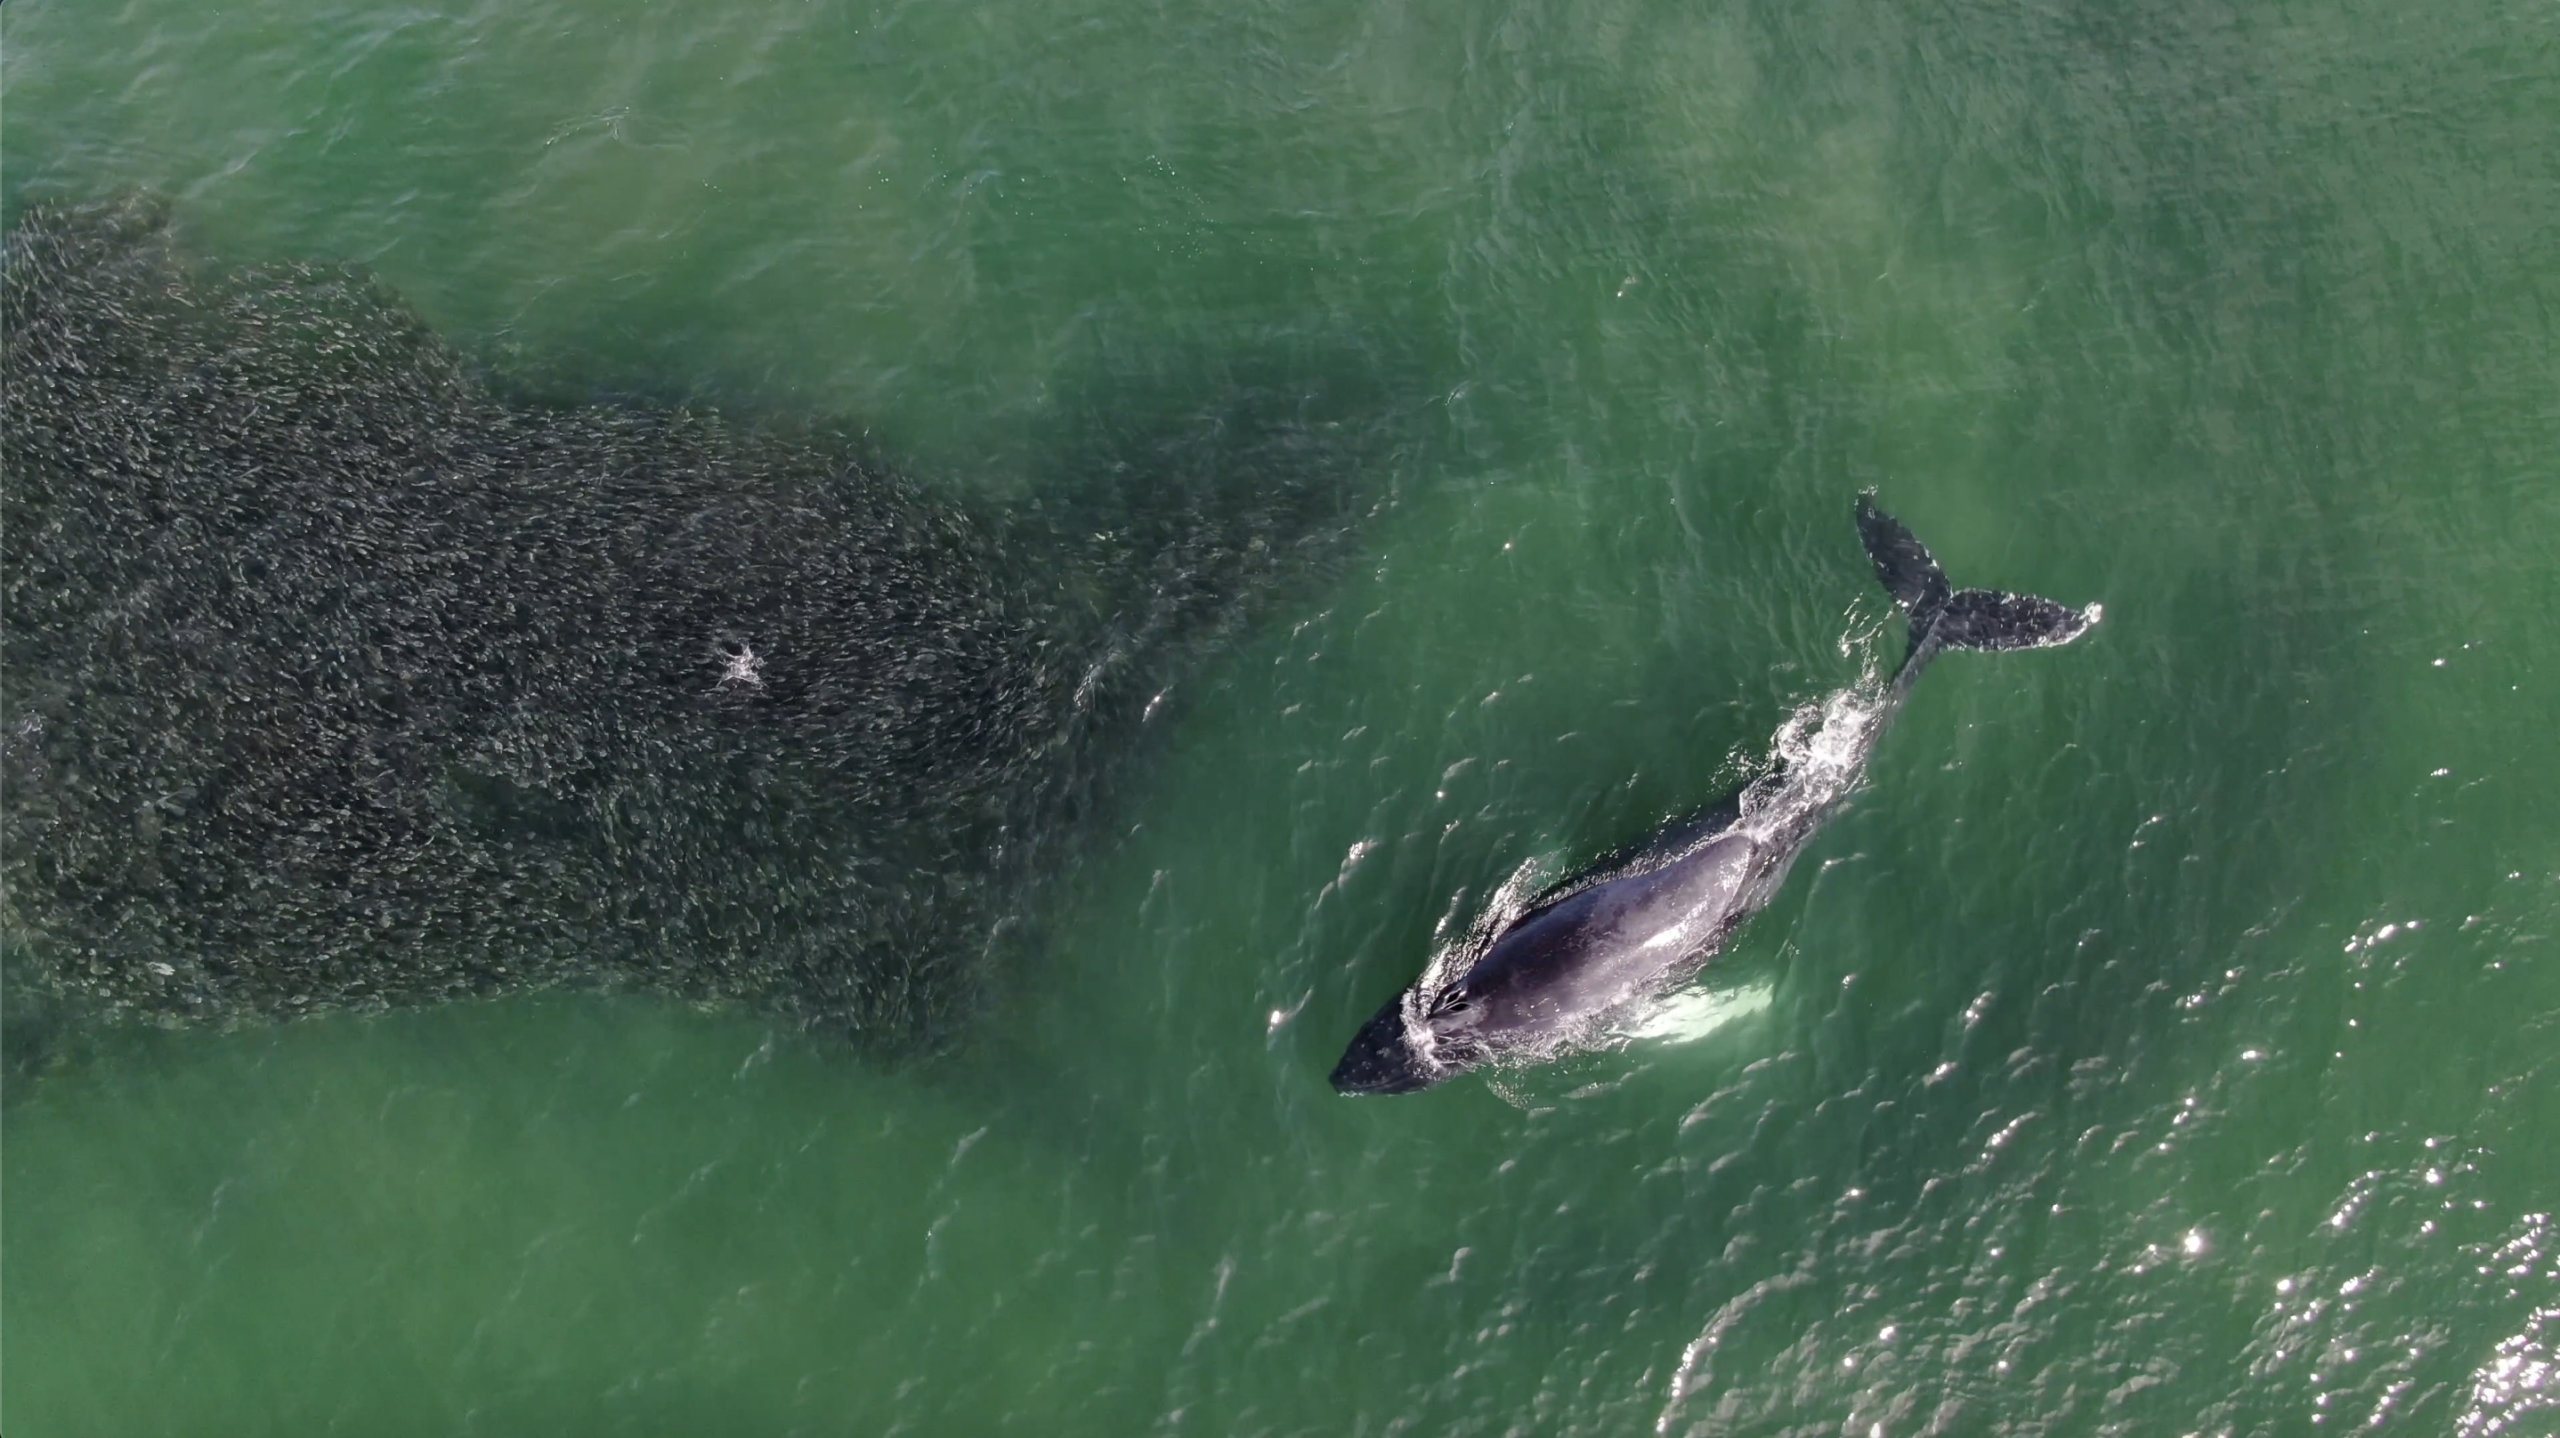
(1988, 619)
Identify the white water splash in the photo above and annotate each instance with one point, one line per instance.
(1451, 960)
(1821, 751)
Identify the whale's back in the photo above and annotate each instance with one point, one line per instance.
(1567, 965)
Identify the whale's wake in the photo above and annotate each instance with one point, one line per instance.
(1820, 754)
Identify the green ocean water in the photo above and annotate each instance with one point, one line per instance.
(2167, 1041)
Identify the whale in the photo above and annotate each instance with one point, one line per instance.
(1558, 973)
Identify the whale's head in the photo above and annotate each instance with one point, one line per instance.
(1410, 1045)
(1384, 1059)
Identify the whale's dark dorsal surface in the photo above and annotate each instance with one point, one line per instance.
(1532, 984)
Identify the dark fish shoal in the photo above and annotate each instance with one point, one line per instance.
(335, 678)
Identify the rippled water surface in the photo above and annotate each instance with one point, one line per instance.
(2166, 1040)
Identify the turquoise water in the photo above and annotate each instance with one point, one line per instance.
(2167, 1041)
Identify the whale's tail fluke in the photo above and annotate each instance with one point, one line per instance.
(1946, 618)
